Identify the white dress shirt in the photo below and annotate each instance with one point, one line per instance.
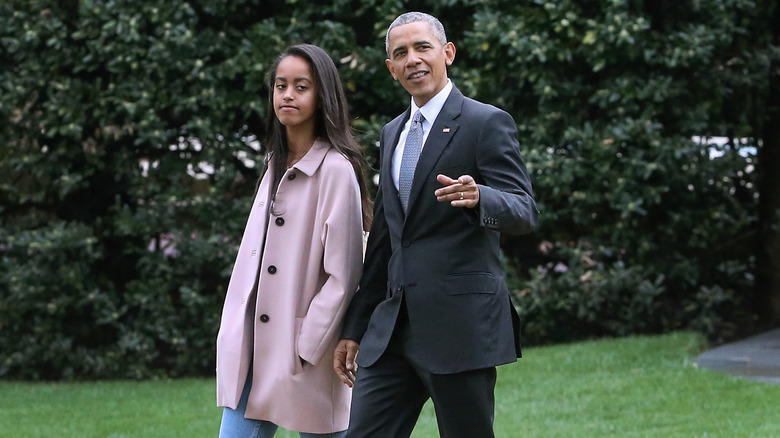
(429, 111)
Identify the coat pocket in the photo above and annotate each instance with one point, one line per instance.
(470, 283)
(298, 363)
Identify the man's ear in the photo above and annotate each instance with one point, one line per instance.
(391, 68)
(449, 53)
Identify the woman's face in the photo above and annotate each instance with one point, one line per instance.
(295, 93)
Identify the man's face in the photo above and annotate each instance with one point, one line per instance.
(418, 60)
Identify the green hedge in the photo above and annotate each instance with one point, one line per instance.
(128, 160)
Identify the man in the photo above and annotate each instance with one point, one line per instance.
(433, 317)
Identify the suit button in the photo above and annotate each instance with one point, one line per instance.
(405, 243)
(264, 318)
(279, 221)
(291, 176)
(272, 269)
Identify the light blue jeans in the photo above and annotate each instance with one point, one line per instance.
(234, 425)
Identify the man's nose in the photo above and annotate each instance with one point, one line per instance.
(412, 59)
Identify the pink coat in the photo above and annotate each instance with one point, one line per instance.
(309, 267)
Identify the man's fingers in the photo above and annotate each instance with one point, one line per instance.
(347, 379)
(451, 186)
(344, 361)
(339, 362)
(461, 192)
(466, 179)
(351, 356)
(445, 180)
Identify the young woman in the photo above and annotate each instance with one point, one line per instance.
(299, 261)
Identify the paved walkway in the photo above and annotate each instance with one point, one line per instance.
(755, 358)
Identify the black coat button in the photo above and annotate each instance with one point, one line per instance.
(279, 221)
(264, 318)
(272, 269)
(291, 176)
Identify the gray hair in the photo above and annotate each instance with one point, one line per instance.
(412, 17)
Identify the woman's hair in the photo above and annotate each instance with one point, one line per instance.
(332, 121)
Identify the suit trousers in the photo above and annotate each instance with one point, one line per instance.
(389, 395)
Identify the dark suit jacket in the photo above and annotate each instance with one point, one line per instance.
(445, 260)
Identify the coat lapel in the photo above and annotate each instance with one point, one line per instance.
(390, 198)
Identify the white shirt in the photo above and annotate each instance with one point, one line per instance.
(429, 111)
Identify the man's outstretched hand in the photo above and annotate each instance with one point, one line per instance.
(461, 192)
(344, 361)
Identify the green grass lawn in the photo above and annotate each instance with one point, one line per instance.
(631, 387)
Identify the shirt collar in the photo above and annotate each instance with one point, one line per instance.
(433, 107)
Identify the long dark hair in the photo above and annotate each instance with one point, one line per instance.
(332, 121)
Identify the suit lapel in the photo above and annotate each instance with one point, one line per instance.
(441, 134)
(390, 198)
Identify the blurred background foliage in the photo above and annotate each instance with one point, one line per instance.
(128, 158)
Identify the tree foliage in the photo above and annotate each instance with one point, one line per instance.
(612, 94)
(129, 156)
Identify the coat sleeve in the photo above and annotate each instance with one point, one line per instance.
(342, 238)
(506, 202)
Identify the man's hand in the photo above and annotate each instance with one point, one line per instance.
(461, 192)
(344, 361)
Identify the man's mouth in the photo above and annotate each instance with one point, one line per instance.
(416, 75)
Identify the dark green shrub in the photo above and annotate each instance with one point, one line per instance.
(128, 139)
(128, 159)
(587, 291)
